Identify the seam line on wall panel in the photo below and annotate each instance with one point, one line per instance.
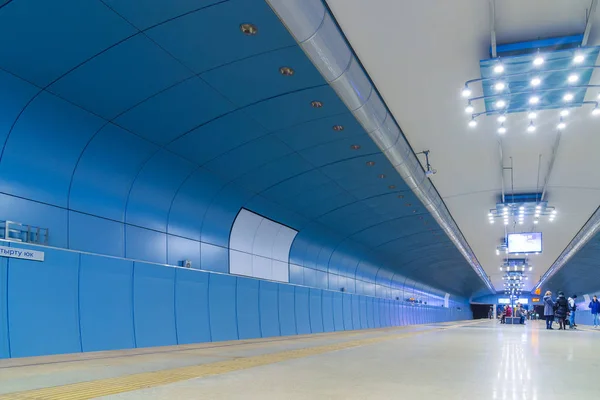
(79, 302)
(237, 323)
(210, 335)
(8, 310)
(260, 330)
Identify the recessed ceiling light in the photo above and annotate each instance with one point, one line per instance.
(249, 29)
(534, 100)
(578, 59)
(536, 81)
(286, 71)
(392, 186)
(370, 163)
(499, 86)
(573, 78)
(338, 128)
(381, 176)
(499, 68)
(316, 104)
(355, 147)
(400, 196)
(539, 60)
(408, 204)
(568, 97)
(500, 104)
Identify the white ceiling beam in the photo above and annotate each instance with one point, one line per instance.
(588, 22)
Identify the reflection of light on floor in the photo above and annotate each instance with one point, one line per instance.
(514, 377)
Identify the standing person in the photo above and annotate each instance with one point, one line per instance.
(572, 308)
(595, 307)
(562, 308)
(548, 309)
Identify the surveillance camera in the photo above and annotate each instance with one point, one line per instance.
(430, 172)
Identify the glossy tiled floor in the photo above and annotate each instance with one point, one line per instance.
(483, 360)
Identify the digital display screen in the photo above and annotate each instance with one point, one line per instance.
(525, 242)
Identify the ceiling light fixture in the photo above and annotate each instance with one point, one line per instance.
(568, 97)
(502, 129)
(578, 59)
(596, 111)
(564, 112)
(355, 147)
(499, 86)
(370, 163)
(539, 60)
(500, 104)
(499, 68)
(536, 81)
(472, 123)
(338, 128)
(502, 118)
(573, 78)
(531, 127)
(381, 176)
(534, 100)
(532, 115)
(466, 92)
(469, 109)
(249, 29)
(286, 71)
(561, 125)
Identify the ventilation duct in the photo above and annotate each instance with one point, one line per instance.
(318, 35)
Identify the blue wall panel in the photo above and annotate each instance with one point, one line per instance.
(316, 311)
(248, 316)
(269, 310)
(301, 306)
(356, 312)
(105, 303)
(145, 245)
(180, 249)
(111, 242)
(42, 305)
(376, 312)
(338, 311)
(328, 317)
(222, 303)
(347, 311)
(154, 305)
(4, 346)
(363, 313)
(191, 306)
(214, 258)
(287, 310)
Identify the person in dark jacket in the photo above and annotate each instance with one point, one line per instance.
(562, 309)
(548, 309)
(595, 307)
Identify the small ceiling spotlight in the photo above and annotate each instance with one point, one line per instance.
(573, 78)
(539, 60)
(469, 109)
(535, 221)
(355, 147)
(568, 97)
(502, 118)
(596, 111)
(466, 92)
(499, 86)
(536, 81)
(381, 176)
(564, 112)
(500, 104)
(531, 268)
(502, 129)
(532, 115)
(338, 128)
(561, 125)
(505, 222)
(370, 163)
(578, 59)
(499, 68)
(249, 29)
(392, 187)
(472, 123)
(534, 100)
(531, 127)
(286, 71)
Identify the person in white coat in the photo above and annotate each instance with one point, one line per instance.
(572, 309)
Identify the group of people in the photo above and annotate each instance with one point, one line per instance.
(563, 308)
(518, 311)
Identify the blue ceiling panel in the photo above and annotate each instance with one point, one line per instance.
(337, 150)
(121, 77)
(383, 232)
(217, 137)
(39, 166)
(270, 174)
(175, 111)
(354, 167)
(14, 96)
(154, 12)
(311, 181)
(258, 78)
(295, 108)
(321, 131)
(213, 38)
(102, 161)
(254, 154)
(317, 208)
(28, 37)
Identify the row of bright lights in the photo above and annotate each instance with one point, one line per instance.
(515, 268)
(522, 215)
(535, 82)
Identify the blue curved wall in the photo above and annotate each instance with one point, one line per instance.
(139, 134)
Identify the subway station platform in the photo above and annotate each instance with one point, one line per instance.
(466, 360)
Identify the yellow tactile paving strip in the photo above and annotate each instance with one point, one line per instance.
(128, 383)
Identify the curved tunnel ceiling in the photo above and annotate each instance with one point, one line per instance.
(152, 116)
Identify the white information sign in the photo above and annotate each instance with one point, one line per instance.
(24, 254)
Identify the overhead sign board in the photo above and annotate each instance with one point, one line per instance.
(24, 254)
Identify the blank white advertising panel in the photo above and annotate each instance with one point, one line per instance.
(259, 247)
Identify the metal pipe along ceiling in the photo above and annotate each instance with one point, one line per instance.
(318, 35)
